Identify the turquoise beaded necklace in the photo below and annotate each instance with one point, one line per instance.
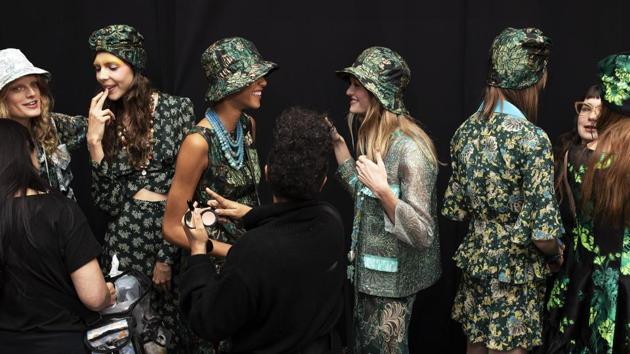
(233, 149)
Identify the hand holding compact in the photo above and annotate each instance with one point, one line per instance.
(208, 216)
(196, 232)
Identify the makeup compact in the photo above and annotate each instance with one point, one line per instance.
(208, 217)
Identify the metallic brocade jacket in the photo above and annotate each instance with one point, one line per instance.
(395, 259)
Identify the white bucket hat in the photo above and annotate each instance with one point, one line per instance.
(14, 65)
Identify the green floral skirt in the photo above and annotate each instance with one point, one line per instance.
(501, 316)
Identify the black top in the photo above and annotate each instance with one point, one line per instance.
(281, 285)
(37, 285)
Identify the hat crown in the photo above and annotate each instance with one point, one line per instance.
(614, 76)
(518, 58)
(229, 56)
(13, 58)
(122, 41)
(386, 66)
(14, 64)
(231, 64)
(384, 73)
(116, 35)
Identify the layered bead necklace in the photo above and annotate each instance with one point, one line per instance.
(122, 136)
(233, 149)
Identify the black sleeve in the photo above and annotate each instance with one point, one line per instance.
(79, 246)
(214, 306)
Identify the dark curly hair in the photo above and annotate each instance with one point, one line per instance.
(298, 160)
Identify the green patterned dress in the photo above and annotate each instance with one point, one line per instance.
(502, 183)
(55, 167)
(589, 303)
(239, 185)
(134, 233)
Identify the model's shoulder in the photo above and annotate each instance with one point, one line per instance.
(173, 100)
(470, 124)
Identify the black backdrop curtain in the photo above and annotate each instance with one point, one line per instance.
(445, 43)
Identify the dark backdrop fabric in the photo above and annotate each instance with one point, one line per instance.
(445, 42)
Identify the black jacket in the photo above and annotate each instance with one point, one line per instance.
(281, 286)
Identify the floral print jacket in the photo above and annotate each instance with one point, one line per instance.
(502, 182)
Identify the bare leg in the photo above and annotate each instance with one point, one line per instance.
(476, 348)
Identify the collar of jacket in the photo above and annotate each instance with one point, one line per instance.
(505, 107)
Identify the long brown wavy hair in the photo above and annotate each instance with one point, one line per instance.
(376, 127)
(136, 104)
(42, 127)
(606, 184)
(526, 99)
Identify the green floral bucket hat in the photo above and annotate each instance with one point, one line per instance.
(384, 73)
(232, 64)
(122, 41)
(518, 58)
(614, 76)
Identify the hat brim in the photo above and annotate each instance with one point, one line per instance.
(264, 69)
(360, 75)
(24, 72)
(368, 83)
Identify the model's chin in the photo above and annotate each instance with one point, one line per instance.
(254, 104)
(356, 110)
(587, 136)
(113, 96)
(31, 113)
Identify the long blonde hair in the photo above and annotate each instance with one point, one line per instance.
(42, 127)
(376, 128)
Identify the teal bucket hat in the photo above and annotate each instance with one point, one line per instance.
(614, 76)
(384, 73)
(232, 64)
(122, 41)
(518, 58)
